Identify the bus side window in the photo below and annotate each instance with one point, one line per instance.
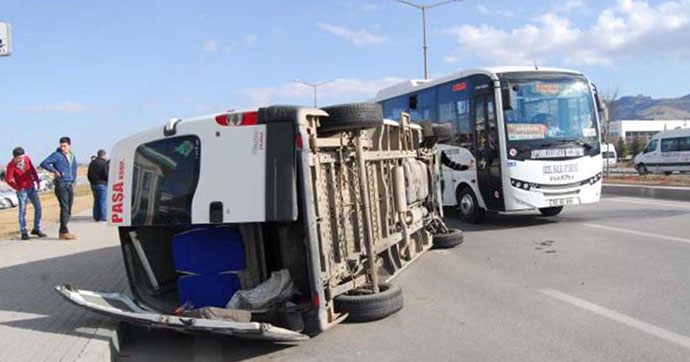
(412, 102)
(393, 108)
(492, 126)
(423, 105)
(480, 123)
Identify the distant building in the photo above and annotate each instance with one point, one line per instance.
(629, 129)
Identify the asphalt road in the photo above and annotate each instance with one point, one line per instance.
(604, 282)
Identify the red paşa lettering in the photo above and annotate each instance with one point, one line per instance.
(118, 195)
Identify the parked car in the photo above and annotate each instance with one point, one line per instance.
(46, 182)
(666, 152)
(609, 154)
(273, 224)
(8, 198)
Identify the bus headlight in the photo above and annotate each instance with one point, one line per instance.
(596, 178)
(520, 184)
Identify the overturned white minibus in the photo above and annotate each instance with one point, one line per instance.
(271, 224)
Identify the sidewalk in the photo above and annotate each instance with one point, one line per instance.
(36, 324)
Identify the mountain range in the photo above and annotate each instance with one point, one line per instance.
(644, 107)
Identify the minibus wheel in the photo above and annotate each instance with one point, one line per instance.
(642, 169)
(470, 211)
(448, 240)
(346, 117)
(362, 305)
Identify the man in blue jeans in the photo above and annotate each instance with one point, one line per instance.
(98, 177)
(22, 177)
(63, 165)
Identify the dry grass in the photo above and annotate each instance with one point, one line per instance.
(9, 224)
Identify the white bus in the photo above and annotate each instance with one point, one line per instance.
(666, 152)
(531, 137)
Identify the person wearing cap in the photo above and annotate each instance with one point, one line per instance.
(98, 178)
(21, 175)
(63, 165)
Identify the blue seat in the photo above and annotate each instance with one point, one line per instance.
(205, 260)
(210, 250)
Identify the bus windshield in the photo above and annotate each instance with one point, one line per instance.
(551, 111)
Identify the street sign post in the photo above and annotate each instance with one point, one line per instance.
(5, 39)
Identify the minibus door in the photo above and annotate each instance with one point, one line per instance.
(120, 306)
(487, 153)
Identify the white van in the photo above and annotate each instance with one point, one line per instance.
(609, 154)
(272, 224)
(666, 152)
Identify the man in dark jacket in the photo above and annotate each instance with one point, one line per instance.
(23, 178)
(63, 165)
(98, 177)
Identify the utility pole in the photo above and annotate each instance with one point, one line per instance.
(313, 85)
(424, 9)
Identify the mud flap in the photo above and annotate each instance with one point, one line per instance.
(123, 307)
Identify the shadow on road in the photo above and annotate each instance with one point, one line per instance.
(496, 221)
(28, 301)
(164, 345)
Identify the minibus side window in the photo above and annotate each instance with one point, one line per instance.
(670, 145)
(685, 144)
(651, 147)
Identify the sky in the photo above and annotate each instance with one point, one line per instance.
(98, 71)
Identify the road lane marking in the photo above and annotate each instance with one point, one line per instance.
(639, 233)
(648, 328)
(633, 201)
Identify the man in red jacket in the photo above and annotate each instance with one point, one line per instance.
(22, 176)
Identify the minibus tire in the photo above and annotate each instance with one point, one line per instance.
(371, 306)
(551, 211)
(352, 116)
(277, 114)
(476, 213)
(447, 240)
(642, 169)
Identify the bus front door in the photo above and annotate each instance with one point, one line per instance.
(487, 150)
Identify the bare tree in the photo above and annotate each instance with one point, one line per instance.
(609, 98)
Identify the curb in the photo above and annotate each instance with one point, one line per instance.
(653, 192)
(106, 343)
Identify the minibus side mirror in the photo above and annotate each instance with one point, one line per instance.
(506, 97)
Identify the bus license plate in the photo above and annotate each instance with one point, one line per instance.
(562, 202)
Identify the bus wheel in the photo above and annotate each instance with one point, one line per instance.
(363, 306)
(551, 211)
(470, 211)
(642, 169)
(448, 240)
(346, 117)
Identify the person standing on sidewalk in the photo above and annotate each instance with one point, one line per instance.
(21, 175)
(63, 165)
(98, 178)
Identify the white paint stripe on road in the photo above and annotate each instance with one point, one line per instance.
(648, 328)
(642, 202)
(639, 233)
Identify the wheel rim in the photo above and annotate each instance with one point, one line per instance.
(643, 169)
(466, 204)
